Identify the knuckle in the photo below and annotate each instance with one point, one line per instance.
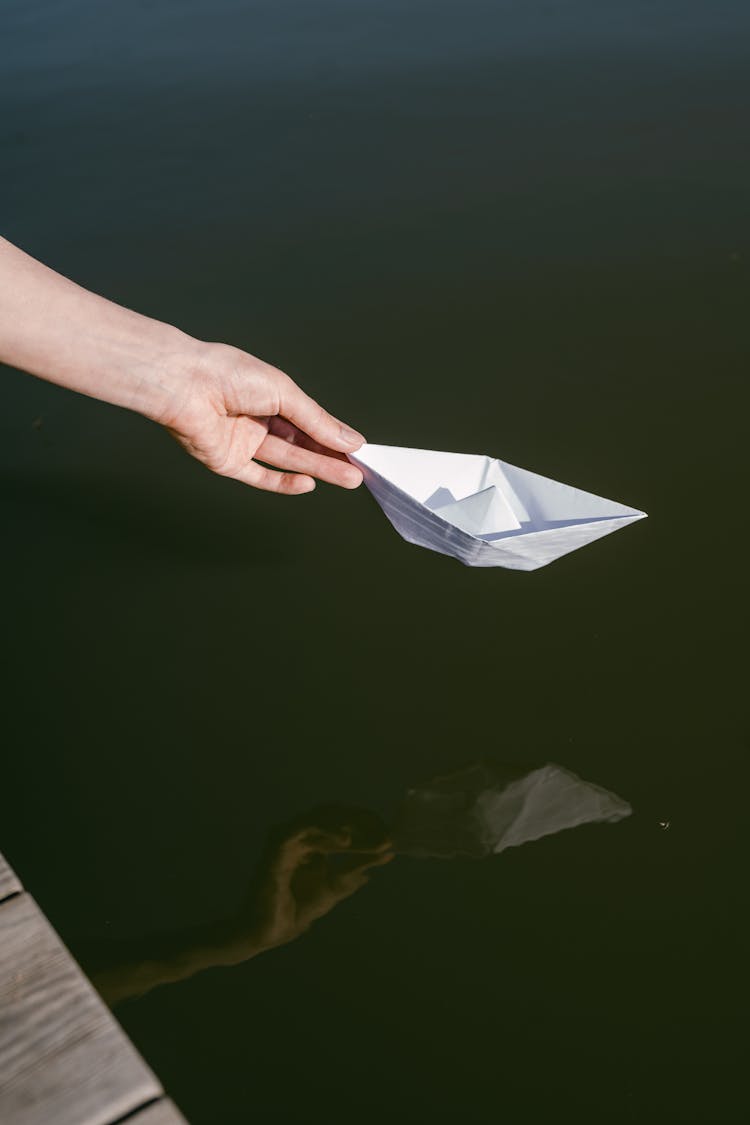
(322, 417)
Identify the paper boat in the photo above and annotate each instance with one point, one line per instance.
(482, 511)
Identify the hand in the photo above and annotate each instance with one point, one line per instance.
(309, 867)
(306, 875)
(227, 408)
(234, 411)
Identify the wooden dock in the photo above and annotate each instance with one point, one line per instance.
(64, 1059)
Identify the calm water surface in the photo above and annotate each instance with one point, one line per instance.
(512, 228)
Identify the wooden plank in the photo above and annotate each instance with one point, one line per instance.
(63, 1058)
(9, 882)
(163, 1112)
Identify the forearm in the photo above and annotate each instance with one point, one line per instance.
(121, 970)
(52, 328)
(230, 410)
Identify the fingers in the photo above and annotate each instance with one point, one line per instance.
(378, 849)
(306, 413)
(324, 841)
(293, 435)
(286, 455)
(303, 846)
(364, 862)
(285, 484)
(356, 874)
(307, 842)
(379, 860)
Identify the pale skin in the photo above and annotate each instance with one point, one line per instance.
(239, 416)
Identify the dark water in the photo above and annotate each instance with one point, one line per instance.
(512, 228)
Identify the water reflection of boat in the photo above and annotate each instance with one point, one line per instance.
(486, 808)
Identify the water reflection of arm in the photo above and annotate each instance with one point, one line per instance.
(301, 878)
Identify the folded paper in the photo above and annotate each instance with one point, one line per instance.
(482, 511)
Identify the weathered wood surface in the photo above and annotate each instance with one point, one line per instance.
(163, 1112)
(63, 1058)
(9, 883)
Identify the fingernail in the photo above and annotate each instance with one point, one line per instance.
(351, 437)
(352, 478)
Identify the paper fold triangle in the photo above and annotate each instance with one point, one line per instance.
(481, 513)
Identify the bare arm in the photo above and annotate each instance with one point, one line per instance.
(227, 408)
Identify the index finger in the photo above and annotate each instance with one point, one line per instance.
(310, 417)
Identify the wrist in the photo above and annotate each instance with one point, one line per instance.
(163, 377)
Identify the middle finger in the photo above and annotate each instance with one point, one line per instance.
(284, 455)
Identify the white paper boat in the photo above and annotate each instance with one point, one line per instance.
(482, 511)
